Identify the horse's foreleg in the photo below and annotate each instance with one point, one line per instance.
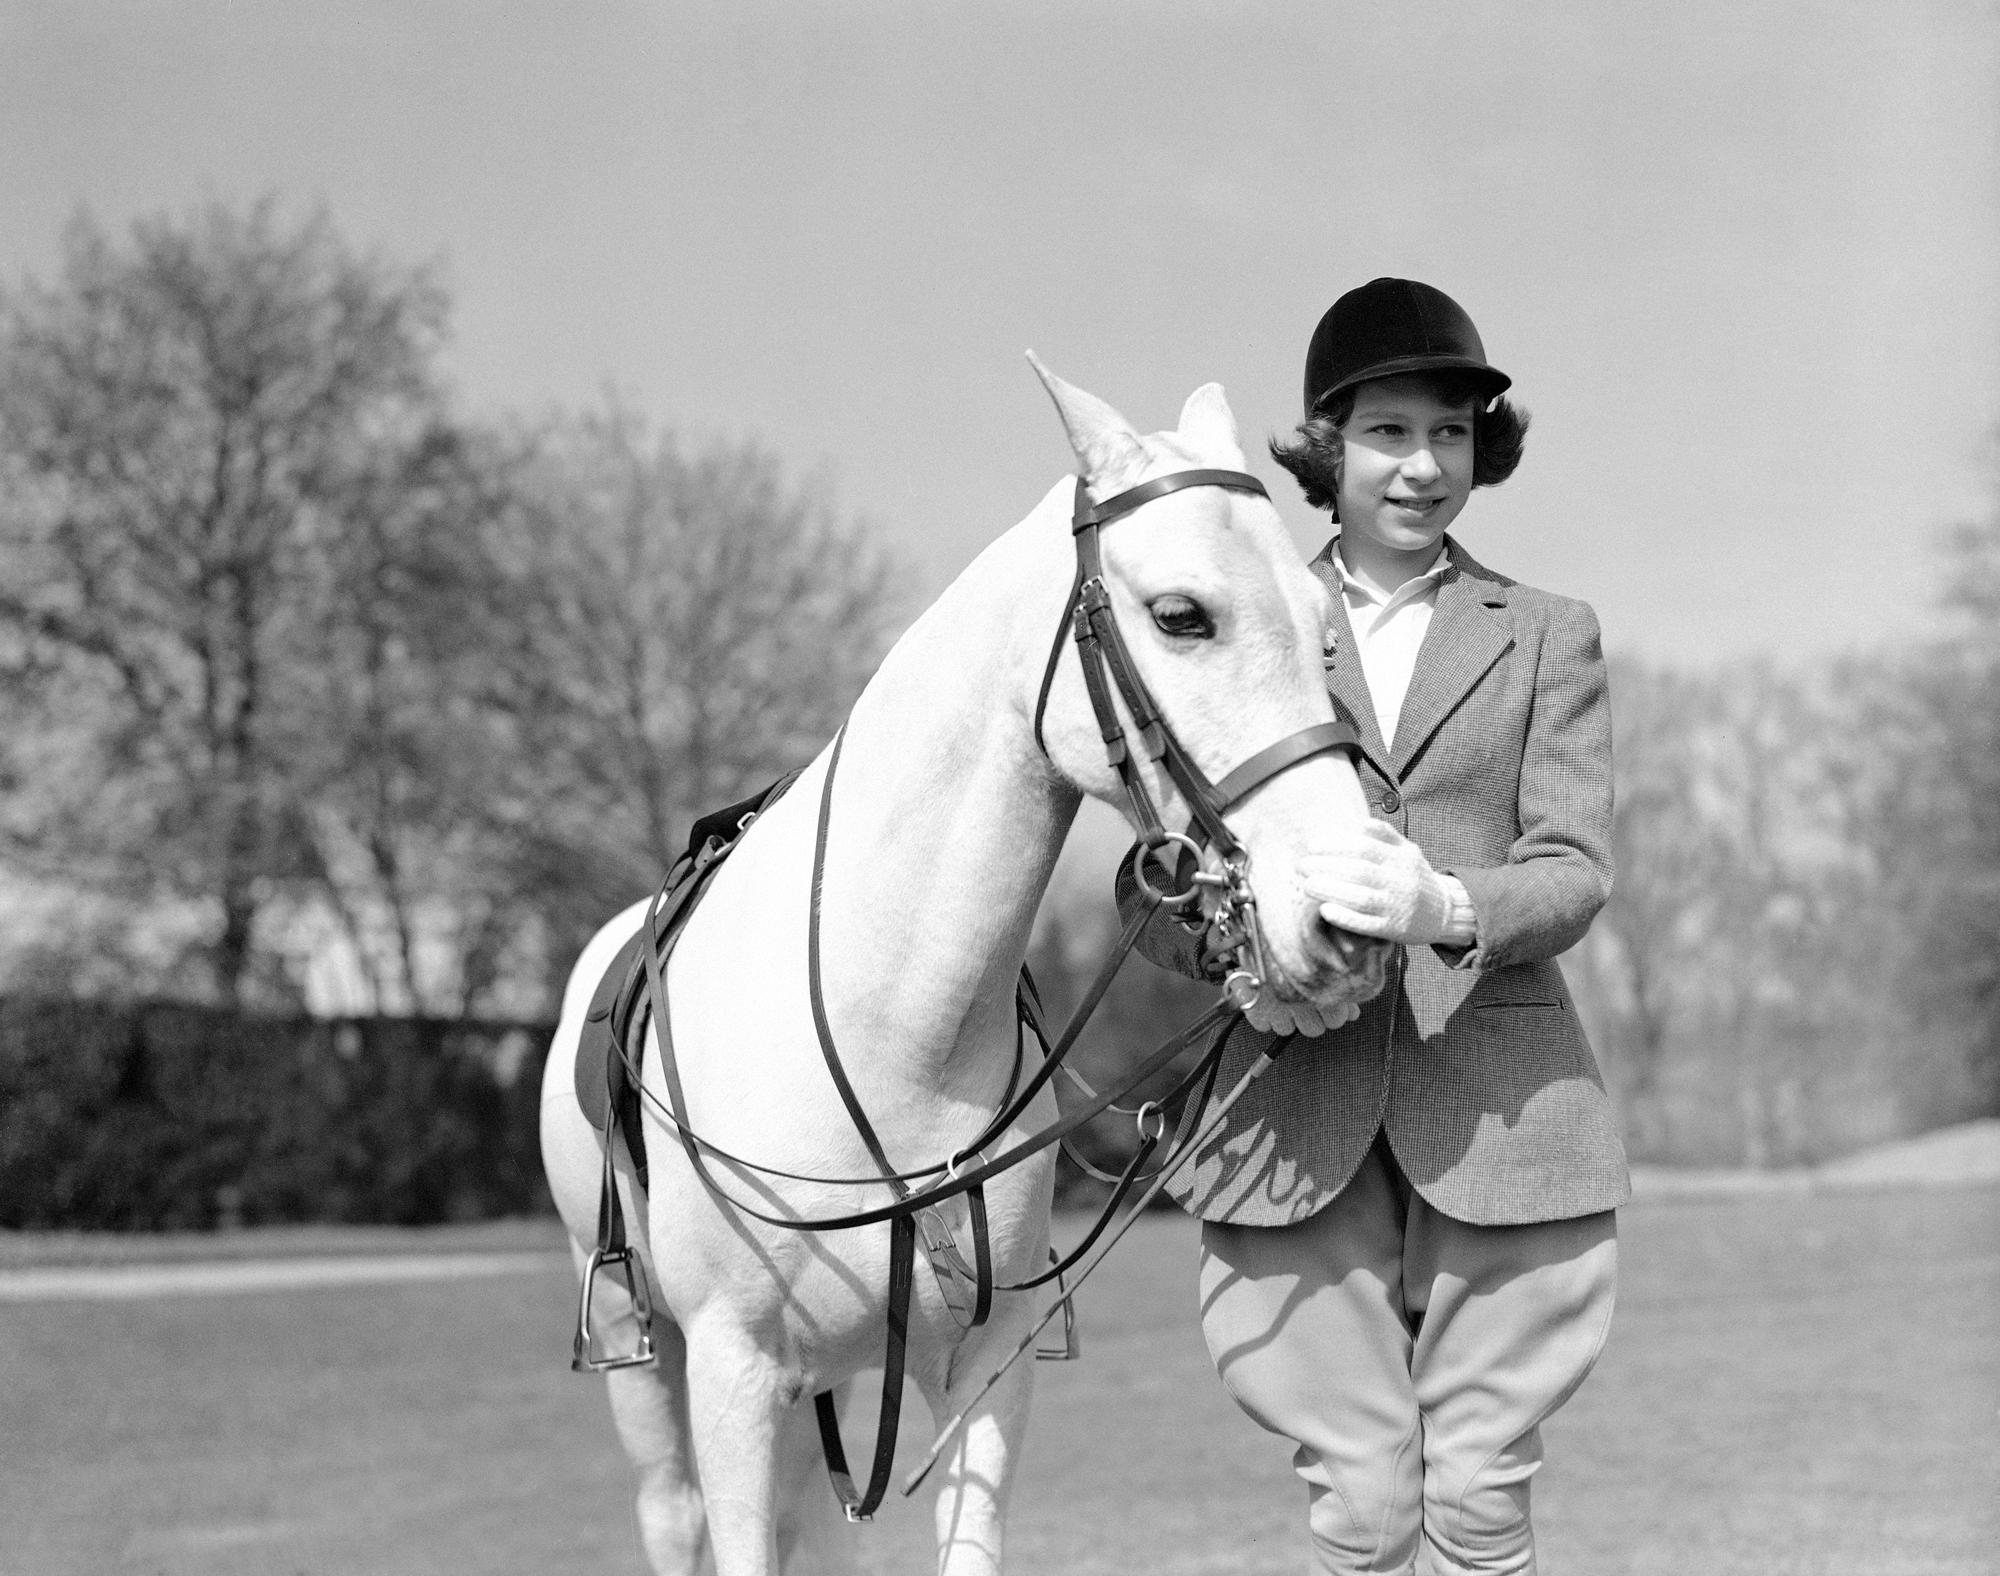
(737, 1401)
(814, 1538)
(650, 1408)
(978, 1468)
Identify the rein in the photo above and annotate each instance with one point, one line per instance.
(1107, 664)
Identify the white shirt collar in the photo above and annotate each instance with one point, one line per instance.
(1423, 585)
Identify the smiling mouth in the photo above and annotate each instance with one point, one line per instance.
(1416, 505)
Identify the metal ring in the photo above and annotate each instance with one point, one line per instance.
(1150, 1108)
(1241, 987)
(1144, 851)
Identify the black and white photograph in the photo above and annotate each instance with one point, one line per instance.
(1069, 787)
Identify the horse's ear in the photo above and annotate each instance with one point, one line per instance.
(1104, 443)
(1209, 425)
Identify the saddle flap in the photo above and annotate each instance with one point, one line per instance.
(604, 1088)
(600, 1066)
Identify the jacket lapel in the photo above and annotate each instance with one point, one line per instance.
(1344, 679)
(1469, 629)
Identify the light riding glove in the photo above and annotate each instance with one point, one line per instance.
(1381, 884)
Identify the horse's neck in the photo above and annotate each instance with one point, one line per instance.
(946, 819)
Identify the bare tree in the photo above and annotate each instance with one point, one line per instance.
(1926, 805)
(205, 430)
(684, 627)
(1966, 691)
(293, 660)
(1638, 968)
(396, 790)
(1738, 976)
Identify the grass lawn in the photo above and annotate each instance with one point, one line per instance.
(1796, 1384)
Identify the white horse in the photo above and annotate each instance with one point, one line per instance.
(946, 818)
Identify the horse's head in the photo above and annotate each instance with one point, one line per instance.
(1226, 627)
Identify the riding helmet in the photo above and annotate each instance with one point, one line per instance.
(1389, 326)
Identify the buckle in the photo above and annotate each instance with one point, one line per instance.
(584, 1356)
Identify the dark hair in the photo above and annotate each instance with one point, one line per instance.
(1313, 454)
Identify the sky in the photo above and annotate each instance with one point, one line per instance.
(1742, 259)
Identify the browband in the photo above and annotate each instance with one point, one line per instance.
(1159, 487)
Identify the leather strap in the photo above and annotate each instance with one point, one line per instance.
(1100, 641)
(979, 1175)
(1320, 739)
(1200, 1140)
(1055, 657)
(861, 1506)
(1159, 487)
(902, 1228)
(821, 1026)
(1107, 663)
(1083, 516)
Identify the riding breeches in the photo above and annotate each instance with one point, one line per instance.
(1411, 1358)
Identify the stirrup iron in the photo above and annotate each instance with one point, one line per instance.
(612, 1252)
(585, 1358)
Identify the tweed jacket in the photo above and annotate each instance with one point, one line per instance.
(1472, 1059)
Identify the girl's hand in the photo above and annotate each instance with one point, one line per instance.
(1380, 884)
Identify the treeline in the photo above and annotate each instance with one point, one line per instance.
(318, 689)
(1802, 952)
(315, 686)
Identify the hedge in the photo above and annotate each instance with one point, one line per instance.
(157, 1116)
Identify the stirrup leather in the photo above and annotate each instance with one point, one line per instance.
(612, 1254)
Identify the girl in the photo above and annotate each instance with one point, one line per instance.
(1408, 1245)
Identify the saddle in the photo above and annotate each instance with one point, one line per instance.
(611, 1043)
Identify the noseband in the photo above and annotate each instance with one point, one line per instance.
(1107, 663)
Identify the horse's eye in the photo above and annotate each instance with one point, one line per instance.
(1183, 618)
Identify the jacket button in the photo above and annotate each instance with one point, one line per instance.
(1391, 800)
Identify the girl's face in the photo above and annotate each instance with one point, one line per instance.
(1406, 469)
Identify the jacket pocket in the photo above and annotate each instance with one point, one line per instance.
(1527, 985)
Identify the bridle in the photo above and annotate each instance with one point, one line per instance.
(1107, 662)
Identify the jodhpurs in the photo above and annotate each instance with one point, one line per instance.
(1411, 1358)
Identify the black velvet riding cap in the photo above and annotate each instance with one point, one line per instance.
(1389, 326)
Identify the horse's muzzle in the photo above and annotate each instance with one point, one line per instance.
(1345, 964)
